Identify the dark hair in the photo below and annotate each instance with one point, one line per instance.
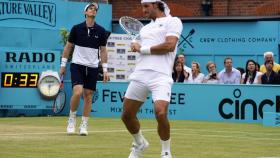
(247, 72)
(160, 6)
(227, 58)
(181, 75)
(258, 65)
(241, 70)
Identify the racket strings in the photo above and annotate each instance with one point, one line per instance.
(131, 25)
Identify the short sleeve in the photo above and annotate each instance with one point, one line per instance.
(174, 27)
(72, 35)
(103, 40)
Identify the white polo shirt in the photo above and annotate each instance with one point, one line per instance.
(153, 34)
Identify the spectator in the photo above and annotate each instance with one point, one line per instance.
(269, 56)
(212, 76)
(251, 76)
(229, 75)
(179, 75)
(181, 58)
(257, 66)
(241, 70)
(197, 76)
(270, 77)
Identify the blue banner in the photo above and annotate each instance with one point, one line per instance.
(233, 103)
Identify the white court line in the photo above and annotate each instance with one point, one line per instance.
(50, 133)
(226, 136)
(249, 134)
(234, 132)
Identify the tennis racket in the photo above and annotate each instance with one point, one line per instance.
(60, 100)
(131, 26)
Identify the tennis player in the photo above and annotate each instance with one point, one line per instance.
(87, 37)
(153, 73)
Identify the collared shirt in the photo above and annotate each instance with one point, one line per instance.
(232, 77)
(87, 42)
(153, 34)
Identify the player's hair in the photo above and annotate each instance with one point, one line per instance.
(160, 6)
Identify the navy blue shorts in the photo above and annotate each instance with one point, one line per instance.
(83, 75)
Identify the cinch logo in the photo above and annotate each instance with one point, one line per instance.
(187, 40)
(239, 106)
(27, 57)
(39, 11)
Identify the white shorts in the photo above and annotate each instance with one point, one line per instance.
(144, 82)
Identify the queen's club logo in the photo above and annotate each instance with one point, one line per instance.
(187, 39)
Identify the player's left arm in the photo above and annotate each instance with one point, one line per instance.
(104, 60)
(174, 29)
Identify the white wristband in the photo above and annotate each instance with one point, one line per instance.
(105, 67)
(63, 62)
(145, 50)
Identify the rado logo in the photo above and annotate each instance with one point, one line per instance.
(29, 57)
(238, 107)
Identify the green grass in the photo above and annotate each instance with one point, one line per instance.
(45, 137)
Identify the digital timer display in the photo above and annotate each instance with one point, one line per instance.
(19, 79)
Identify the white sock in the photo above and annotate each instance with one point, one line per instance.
(165, 146)
(72, 114)
(138, 137)
(84, 119)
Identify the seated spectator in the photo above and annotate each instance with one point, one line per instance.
(212, 76)
(181, 58)
(241, 70)
(269, 56)
(229, 75)
(251, 75)
(197, 76)
(257, 66)
(179, 75)
(270, 77)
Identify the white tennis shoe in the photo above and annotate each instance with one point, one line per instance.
(166, 155)
(71, 125)
(83, 129)
(138, 149)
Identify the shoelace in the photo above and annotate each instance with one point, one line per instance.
(71, 120)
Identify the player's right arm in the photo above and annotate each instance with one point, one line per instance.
(67, 50)
(65, 55)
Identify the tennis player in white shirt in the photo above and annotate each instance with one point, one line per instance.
(153, 73)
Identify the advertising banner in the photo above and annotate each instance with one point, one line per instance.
(208, 102)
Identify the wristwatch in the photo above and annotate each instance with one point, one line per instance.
(49, 84)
